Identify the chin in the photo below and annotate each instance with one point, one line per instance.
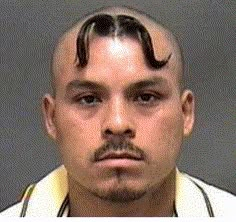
(120, 194)
(121, 191)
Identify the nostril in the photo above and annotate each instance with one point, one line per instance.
(125, 134)
(129, 133)
(108, 132)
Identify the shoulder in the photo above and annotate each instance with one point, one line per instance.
(13, 211)
(17, 209)
(223, 203)
(51, 189)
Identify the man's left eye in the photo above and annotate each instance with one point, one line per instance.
(146, 98)
(88, 100)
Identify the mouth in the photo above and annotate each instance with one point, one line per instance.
(120, 155)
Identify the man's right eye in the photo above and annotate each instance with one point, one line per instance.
(88, 100)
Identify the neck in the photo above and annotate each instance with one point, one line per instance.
(159, 201)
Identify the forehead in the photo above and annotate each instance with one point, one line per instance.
(119, 57)
(65, 53)
(115, 64)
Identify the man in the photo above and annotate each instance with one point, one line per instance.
(119, 113)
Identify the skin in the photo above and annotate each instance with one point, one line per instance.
(154, 118)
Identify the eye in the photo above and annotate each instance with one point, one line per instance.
(147, 98)
(88, 100)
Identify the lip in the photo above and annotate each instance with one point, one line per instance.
(121, 163)
(120, 155)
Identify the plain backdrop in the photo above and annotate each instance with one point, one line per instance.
(28, 33)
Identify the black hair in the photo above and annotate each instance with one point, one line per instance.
(116, 26)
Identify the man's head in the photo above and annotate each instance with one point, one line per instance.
(118, 113)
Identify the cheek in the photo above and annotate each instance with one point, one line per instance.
(162, 134)
(76, 138)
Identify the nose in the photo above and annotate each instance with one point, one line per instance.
(117, 124)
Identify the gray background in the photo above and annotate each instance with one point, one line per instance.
(29, 29)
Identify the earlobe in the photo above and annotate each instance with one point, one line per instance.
(48, 110)
(188, 110)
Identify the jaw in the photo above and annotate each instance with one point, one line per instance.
(119, 197)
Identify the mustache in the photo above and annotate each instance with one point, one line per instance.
(124, 146)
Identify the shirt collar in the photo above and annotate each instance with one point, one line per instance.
(50, 193)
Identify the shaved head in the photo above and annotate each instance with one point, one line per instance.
(117, 78)
(158, 43)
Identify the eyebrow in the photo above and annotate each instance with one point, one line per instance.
(144, 83)
(84, 84)
(153, 81)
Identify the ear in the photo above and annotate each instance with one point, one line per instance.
(48, 110)
(188, 109)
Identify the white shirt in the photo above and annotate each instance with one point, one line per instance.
(194, 198)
